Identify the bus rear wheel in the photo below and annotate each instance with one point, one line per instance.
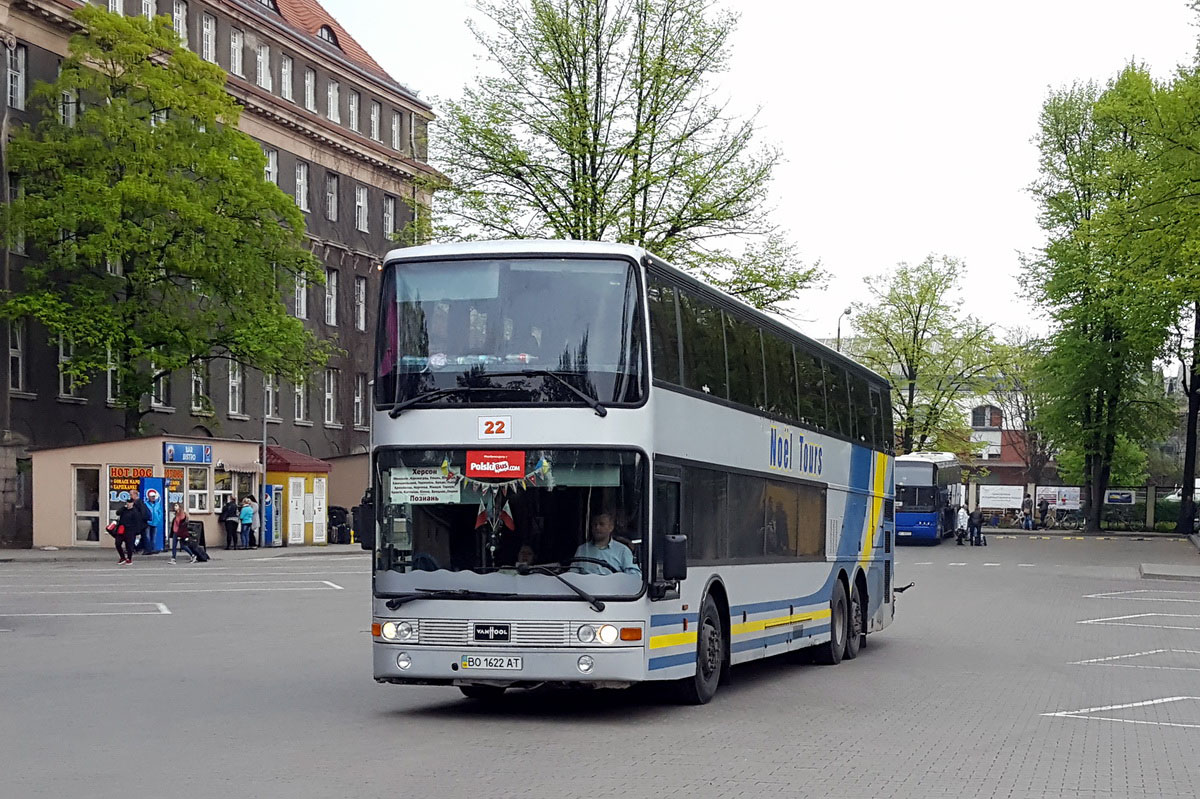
(830, 653)
(710, 656)
(856, 637)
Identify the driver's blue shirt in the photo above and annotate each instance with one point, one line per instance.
(614, 553)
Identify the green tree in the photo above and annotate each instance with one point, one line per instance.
(599, 122)
(157, 243)
(911, 329)
(1110, 318)
(1129, 464)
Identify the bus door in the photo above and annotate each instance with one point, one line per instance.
(667, 493)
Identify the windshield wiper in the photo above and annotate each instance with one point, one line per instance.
(593, 402)
(400, 407)
(596, 604)
(442, 593)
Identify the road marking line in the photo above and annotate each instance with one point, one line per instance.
(323, 587)
(1122, 621)
(924, 563)
(173, 584)
(1027, 565)
(1110, 661)
(159, 610)
(142, 574)
(956, 564)
(991, 564)
(333, 585)
(1083, 714)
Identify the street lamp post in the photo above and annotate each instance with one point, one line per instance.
(839, 328)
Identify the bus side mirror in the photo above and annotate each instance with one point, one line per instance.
(364, 525)
(675, 558)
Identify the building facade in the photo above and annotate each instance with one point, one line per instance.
(342, 137)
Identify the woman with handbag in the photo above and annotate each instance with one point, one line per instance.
(128, 524)
(180, 534)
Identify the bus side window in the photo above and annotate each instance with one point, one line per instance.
(881, 443)
(889, 430)
(664, 330)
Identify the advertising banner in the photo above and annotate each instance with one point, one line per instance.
(495, 465)
(173, 483)
(1119, 497)
(122, 482)
(1059, 497)
(1006, 497)
(187, 453)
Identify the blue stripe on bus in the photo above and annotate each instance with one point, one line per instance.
(667, 619)
(776, 604)
(667, 661)
(778, 638)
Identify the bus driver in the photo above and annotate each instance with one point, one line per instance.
(602, 547)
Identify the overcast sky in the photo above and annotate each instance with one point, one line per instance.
(906, 126)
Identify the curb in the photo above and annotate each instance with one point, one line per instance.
(1195, 539)
(104, 554)
(1079, 535)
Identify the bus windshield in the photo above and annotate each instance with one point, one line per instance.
(481, 331)
(509, 521)
(916, 499)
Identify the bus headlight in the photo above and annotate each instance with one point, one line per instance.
(607, 634)
(399, 630)
(388, 630)
(403, 661)
(585, 664)
(586, 633)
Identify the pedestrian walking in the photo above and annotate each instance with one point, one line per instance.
(1043, 509)
(975, 528)
(1027, 513)
(960, 529)
(181, 535)
(130, 523)
(143, 544)
(229, 520)
(246, 517)
(254, 522)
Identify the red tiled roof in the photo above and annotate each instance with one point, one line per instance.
(282, 459)
(309, 16)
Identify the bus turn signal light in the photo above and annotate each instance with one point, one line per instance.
(631, 633)
(375, 630)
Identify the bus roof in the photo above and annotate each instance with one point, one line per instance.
(572, 247)
(937, 458)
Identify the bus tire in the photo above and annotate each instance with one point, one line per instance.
(830, 653)
(710, 656)
(484, 693)
(856, 624)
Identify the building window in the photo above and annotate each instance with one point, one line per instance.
(179, 21)
(197, 489)
(263, 66)
(271, 389)
(208, 38)
(68, 108)
(360, 400)
(376, 111)
(66, 383)
(333, 101)
(285, 77)
(148, 9)
(116, 7)
(237, 40)
(326, 33)
(302, 185)
(16, 355)
(396, 128)
(271, 172)
(331, 297)
(360, 303)
(237, 396)
(301, 401)
(17, 58)
(301, 297)
(310, 90)
(200, 401)
(160, 389)
(331, 388)
(113, 379)
(987, 417)
(361, 210)
(331, 197)
(230, 485)
(353, 101)
(389, 215)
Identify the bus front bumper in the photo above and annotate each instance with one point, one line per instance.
(445, 666)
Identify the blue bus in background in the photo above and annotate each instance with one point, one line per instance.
(929, 491)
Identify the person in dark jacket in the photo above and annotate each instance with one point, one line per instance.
(130, 523)
(975, 527)
(181, 536)
(229, 518)
(146, 546)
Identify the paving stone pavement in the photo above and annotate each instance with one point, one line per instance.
(999, 680)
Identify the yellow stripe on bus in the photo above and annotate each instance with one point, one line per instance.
(672, 639)
(761, 624)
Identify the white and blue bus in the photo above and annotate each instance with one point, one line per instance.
(929, 491)
(590, 468)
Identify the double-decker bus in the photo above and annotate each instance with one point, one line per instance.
(590, 468)
(929, 491)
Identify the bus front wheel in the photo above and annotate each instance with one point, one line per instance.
(710, 656)
(830, 653)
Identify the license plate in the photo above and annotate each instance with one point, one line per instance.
(499, 662)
